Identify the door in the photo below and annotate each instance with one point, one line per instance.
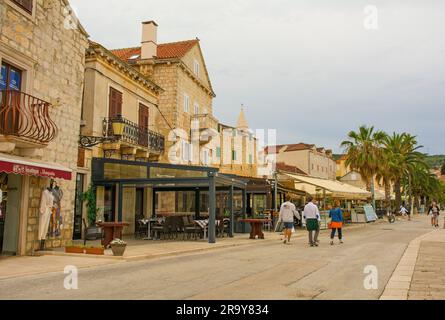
(110, 204)
(143, 125)
(11, 186)
(78, 207)
(139, 209)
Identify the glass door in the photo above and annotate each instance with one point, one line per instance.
(78, 207)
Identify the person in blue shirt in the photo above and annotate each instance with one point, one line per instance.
(336, 224)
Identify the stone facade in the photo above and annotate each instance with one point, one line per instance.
(50, 51)
(105, 71)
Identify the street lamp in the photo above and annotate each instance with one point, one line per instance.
(117, 126)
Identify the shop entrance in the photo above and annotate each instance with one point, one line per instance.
(10, 193)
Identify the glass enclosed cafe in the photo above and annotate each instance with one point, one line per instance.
(129, 191)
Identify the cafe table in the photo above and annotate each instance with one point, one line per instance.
(112, 230)
(256, 227)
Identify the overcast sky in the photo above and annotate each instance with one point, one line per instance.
(308, 68)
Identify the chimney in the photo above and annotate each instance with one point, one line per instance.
(149, 40)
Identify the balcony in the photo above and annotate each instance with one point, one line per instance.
(207, 125)
(132, 136)
(206, 121)
(25, 120)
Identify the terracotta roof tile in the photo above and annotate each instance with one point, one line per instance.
(165, 50)
(284, 167)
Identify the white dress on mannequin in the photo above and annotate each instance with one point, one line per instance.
(46, 204)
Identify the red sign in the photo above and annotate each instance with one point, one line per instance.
(34, 170)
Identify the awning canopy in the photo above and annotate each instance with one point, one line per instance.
(22, 166)
(333, 188)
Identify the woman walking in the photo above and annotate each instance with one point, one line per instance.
(434, 211)
(336, 224)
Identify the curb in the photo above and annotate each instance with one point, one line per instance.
(399, 284)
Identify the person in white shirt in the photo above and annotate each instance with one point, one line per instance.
(404, 212)
(312, 216)
(287, 213)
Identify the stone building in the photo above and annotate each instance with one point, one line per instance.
(42, 57)
(237, 153)
(186, 103)
(117, 94)
(315, 162)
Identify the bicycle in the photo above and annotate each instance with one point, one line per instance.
(391, 217)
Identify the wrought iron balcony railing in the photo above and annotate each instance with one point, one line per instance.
(134, 134)
(25, 116)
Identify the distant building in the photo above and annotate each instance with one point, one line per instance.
(315, 162)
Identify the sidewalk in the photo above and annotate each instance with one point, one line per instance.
(420, 274)
(56, 261)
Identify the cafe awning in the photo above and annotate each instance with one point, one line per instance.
(332, 188)
(23, 166)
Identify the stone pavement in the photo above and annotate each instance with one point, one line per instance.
(420, 274)
(54, 261)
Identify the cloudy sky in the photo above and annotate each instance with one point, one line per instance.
(310, 69)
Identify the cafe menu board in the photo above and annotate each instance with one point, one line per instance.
(371, 216)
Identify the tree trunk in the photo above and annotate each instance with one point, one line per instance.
(398, 192)
(388, 196)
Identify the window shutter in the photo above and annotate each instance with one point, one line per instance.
(81, 158)
(115, 107)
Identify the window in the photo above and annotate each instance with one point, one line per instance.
(196, 108)
(10, 78)
(186, 103)
(206, 157)
(24, 4)
(234, 133)
(234, 155)
(187, 151)
(115, 101)
(250, 159)
(218, 152)
(196, 67)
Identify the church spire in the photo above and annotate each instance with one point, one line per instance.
(242, 122)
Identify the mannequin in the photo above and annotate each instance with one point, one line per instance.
(46, 205)
(56, 218)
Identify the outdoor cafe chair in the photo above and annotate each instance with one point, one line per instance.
(163, 229)
(191, 229)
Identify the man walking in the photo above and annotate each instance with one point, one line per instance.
(287, 213)
(313, 218)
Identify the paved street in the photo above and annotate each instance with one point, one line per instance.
(263, 270)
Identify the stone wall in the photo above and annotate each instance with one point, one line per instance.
(51, 53)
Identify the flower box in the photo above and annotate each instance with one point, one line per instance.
(99, 251)
(72, 249)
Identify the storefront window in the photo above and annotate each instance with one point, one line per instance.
(169, 173)
(115, 171)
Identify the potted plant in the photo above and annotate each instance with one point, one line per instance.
(99, 251)
(92, 231)
(118, 247)
(74, 249)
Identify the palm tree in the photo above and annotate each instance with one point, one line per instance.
(364, 151)
(401, 155)
(385, 175)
